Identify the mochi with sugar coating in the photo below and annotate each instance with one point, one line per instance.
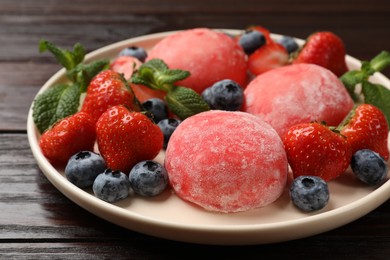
(209, 56)
(226, 161)
(298, 93)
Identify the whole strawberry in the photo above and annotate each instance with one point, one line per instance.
(107, 89)
(67, 137)
(325, 49)
(126, 137)
(314, 149)
(366, 128)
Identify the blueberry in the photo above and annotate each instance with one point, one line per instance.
(168, 126)
(224, 95)
(157, 108)
(148, 178)
(288, 43)
(134, 51)
(309, 193)
(251, 40)
(111, 186)
(369, 167)
(83, 167)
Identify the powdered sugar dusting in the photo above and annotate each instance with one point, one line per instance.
(298, 93)
(226, 161)
(208, 55)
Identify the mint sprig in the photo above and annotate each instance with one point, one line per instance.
(82, 74)
(183, 102)
(370, 93)
(68, 59)
(63, 100)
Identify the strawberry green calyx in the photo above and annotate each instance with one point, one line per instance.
(370, 93)
(183, 102)
(63, 100)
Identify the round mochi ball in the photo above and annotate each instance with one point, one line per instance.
(298, 93)
(226, 161)
(209, 56)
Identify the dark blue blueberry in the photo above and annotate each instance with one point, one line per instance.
(251, 40)
(111, 186)
(309, 193)
(157, 108)
(83, 167)
(148, 178)
(369, 167)
(224, 95)
(134, 51)
(288, 43)
(168, 126)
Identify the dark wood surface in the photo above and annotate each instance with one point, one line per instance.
(38, 222)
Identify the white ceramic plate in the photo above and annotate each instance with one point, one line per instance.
(167, 216)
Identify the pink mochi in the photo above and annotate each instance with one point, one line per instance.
(226, 161)
(298, 93)
(209, 56)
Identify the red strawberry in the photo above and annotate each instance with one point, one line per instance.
(314, 149)
(67, 137)
(107, 89)
(126, 137)
(125, 65)
(366, 128)
(267, 57)
(325, 49)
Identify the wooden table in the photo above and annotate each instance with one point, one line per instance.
(38, 222)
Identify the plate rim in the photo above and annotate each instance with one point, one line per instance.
(99, 208)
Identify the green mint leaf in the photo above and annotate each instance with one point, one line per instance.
(377, 95)
(381, 61)
(185, 102)
(145, 76)
(367, 69)
(172, 76)
(156, 65)
(350, 79)
(83, 73)
(54, 104)
(68, 59)
(156, 75)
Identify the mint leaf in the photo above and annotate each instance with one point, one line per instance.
(350, 79)
(377, 95)
(156, 75)
(145, 76)
(54, 104)
(185, 102)
(172, 76)
(68, 59)
(83, 73)
(372, 93)
(381, 61)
